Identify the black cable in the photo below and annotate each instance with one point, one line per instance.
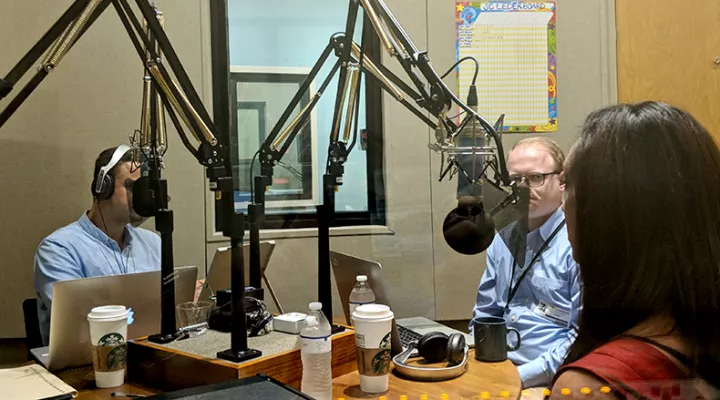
(477, 67)
(457, 115)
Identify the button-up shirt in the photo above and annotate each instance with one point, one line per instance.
(81, 250)
(552, 283)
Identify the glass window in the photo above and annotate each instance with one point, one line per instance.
(272, 50)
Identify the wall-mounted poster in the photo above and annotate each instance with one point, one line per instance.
(514, 43)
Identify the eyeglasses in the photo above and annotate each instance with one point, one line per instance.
(535, 179)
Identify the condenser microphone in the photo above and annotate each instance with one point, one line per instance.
(468, 228)
(151, 145)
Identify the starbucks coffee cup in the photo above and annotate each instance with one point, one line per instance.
(373, 333)
(108, 332)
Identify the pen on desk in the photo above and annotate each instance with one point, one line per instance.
(127, 395)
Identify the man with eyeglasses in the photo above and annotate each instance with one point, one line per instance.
(540, 299)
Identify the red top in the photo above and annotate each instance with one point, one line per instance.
(633, 368)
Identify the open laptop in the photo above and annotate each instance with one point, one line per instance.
(73, 299)
(346, 268)
(219, 274)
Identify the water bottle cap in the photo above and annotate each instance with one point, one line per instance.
(315, 306)
(361, 278)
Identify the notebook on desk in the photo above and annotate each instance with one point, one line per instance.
(346, 268)
(33, 382)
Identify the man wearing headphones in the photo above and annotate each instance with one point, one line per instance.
(104, 241)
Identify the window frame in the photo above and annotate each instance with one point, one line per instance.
(223, 107)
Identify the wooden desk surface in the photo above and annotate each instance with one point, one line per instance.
(481, 381)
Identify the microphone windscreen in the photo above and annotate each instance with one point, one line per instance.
(468, 229)
(143, 199)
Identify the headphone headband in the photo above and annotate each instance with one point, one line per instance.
(420, 373)
(116, 157)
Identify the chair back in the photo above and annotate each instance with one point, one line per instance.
(32, 324)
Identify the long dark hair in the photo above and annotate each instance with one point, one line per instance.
(646, 181)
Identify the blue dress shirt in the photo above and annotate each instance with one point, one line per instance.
(552, 281)
(81, 250)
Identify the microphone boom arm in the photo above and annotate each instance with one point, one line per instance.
(432, 96)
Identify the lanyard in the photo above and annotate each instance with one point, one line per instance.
(513, 289)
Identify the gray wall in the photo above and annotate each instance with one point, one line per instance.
(93, 100)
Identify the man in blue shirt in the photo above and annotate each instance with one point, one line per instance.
(546, 304)
(104, 241)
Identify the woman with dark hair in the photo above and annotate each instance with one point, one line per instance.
(643, 217)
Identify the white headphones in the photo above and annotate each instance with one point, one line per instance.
(103, 184)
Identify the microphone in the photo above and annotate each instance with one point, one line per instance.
(149, 152)
(468, 228)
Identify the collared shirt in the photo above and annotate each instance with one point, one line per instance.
(553, 282)
(81, 250)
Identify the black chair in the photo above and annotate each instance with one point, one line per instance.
(32, 324)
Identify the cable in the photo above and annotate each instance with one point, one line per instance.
(477, 67)
(457, 115)
(121, 265)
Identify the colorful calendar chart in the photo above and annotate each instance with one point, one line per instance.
(515, 45)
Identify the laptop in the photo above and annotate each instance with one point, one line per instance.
(219, 274)
(346, 268)
(73, 299)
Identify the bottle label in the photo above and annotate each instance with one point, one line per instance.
(316, 345)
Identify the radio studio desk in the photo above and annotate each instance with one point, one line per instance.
(481, 381)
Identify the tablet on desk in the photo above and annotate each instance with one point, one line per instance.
(219, 274)
(258, 387)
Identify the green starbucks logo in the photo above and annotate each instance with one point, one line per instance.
(381, 362)
(116, 358)
(385, 343)
(111, 339)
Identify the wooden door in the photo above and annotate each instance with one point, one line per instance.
(670, 51)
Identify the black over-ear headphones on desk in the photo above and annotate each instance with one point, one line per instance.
(435, 347)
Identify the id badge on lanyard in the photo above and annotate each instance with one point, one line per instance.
(512, 290)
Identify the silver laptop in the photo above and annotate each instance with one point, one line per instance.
(73, 299)
(219, 274)
(346, 268)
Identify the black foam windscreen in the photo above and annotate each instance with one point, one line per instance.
(143, 198)
(468, 229)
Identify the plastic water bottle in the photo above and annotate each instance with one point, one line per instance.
(361, 294)
(316, 354)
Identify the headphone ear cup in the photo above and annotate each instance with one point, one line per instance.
(433, 347)
(456, 348)
(107, 188)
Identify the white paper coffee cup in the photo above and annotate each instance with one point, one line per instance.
(108, 337)
(373, 336)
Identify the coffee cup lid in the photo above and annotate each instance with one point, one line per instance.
(108, 312)
(372, 312)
